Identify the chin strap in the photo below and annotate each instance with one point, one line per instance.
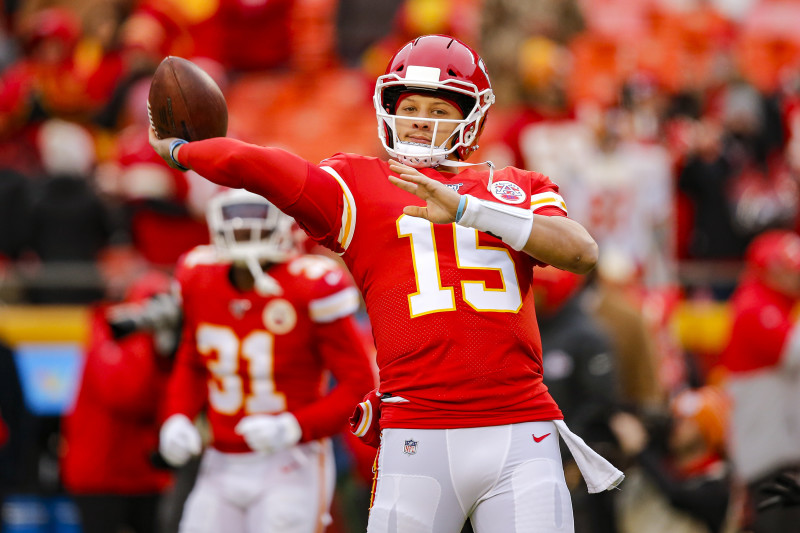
(489, 164)
(265, 285)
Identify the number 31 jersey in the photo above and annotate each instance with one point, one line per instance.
(243, 353)
(451, 308)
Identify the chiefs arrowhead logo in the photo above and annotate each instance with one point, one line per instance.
(508, 192)
(279, 316)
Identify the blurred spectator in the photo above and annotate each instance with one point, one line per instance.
(506, 24)
(544, 125)
(14, 203)
(164, 208)
(242, 35)
(62, 74)
(412, 18)
(229, 33)
(156, 200)
(615, 175)
(617, 185)
(706, 179)
(684, 483)
(624, 195)
(762, 196)
(111, 435)
(69, 224)
(154, 30)
(614, 300)
(762, 360)
(360, 23)
(579, 371)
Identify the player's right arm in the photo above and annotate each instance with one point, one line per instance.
(298, 188)
(186, 389)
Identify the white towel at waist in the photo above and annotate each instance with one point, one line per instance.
(598, 473)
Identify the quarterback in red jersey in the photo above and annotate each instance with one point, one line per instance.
(444, 260)
(263, 328)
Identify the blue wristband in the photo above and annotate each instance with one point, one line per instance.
(172, 146)
(461, 204)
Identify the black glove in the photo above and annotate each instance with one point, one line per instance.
(783, 491)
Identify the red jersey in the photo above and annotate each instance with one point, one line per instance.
(451, 308)
(243, 353)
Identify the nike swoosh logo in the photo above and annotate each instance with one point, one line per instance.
(539, 439)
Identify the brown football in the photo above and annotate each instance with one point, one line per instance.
(185, 102)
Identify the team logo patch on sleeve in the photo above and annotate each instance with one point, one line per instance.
(410, 447)
(508, 192)
(279, 316)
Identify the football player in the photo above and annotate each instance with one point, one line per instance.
(444, 253)
(264, 326)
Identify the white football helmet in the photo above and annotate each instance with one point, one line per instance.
(247, 229)
(441, 66)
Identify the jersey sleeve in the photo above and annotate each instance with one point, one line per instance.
(338, 342)
(545, 197)
(186, 389)
(344, 351)
(298, 188)
(334, 297)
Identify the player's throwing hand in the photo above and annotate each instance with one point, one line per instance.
(166, 148)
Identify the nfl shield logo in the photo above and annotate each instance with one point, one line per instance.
(410, 447)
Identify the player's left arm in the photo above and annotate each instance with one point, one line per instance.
(561, 242)
(344, 352)
(555, 240)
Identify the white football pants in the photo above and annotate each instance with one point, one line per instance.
(509, 479)
(287, 492)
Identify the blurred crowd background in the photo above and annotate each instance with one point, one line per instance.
(671, 126)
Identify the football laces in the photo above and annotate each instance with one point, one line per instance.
(150, 118)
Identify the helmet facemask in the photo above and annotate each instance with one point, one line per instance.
(473, 103)
(248, 230)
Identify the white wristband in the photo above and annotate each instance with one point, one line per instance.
(511, 224)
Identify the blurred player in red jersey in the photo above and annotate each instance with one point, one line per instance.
(468, 429)
(263, 328)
